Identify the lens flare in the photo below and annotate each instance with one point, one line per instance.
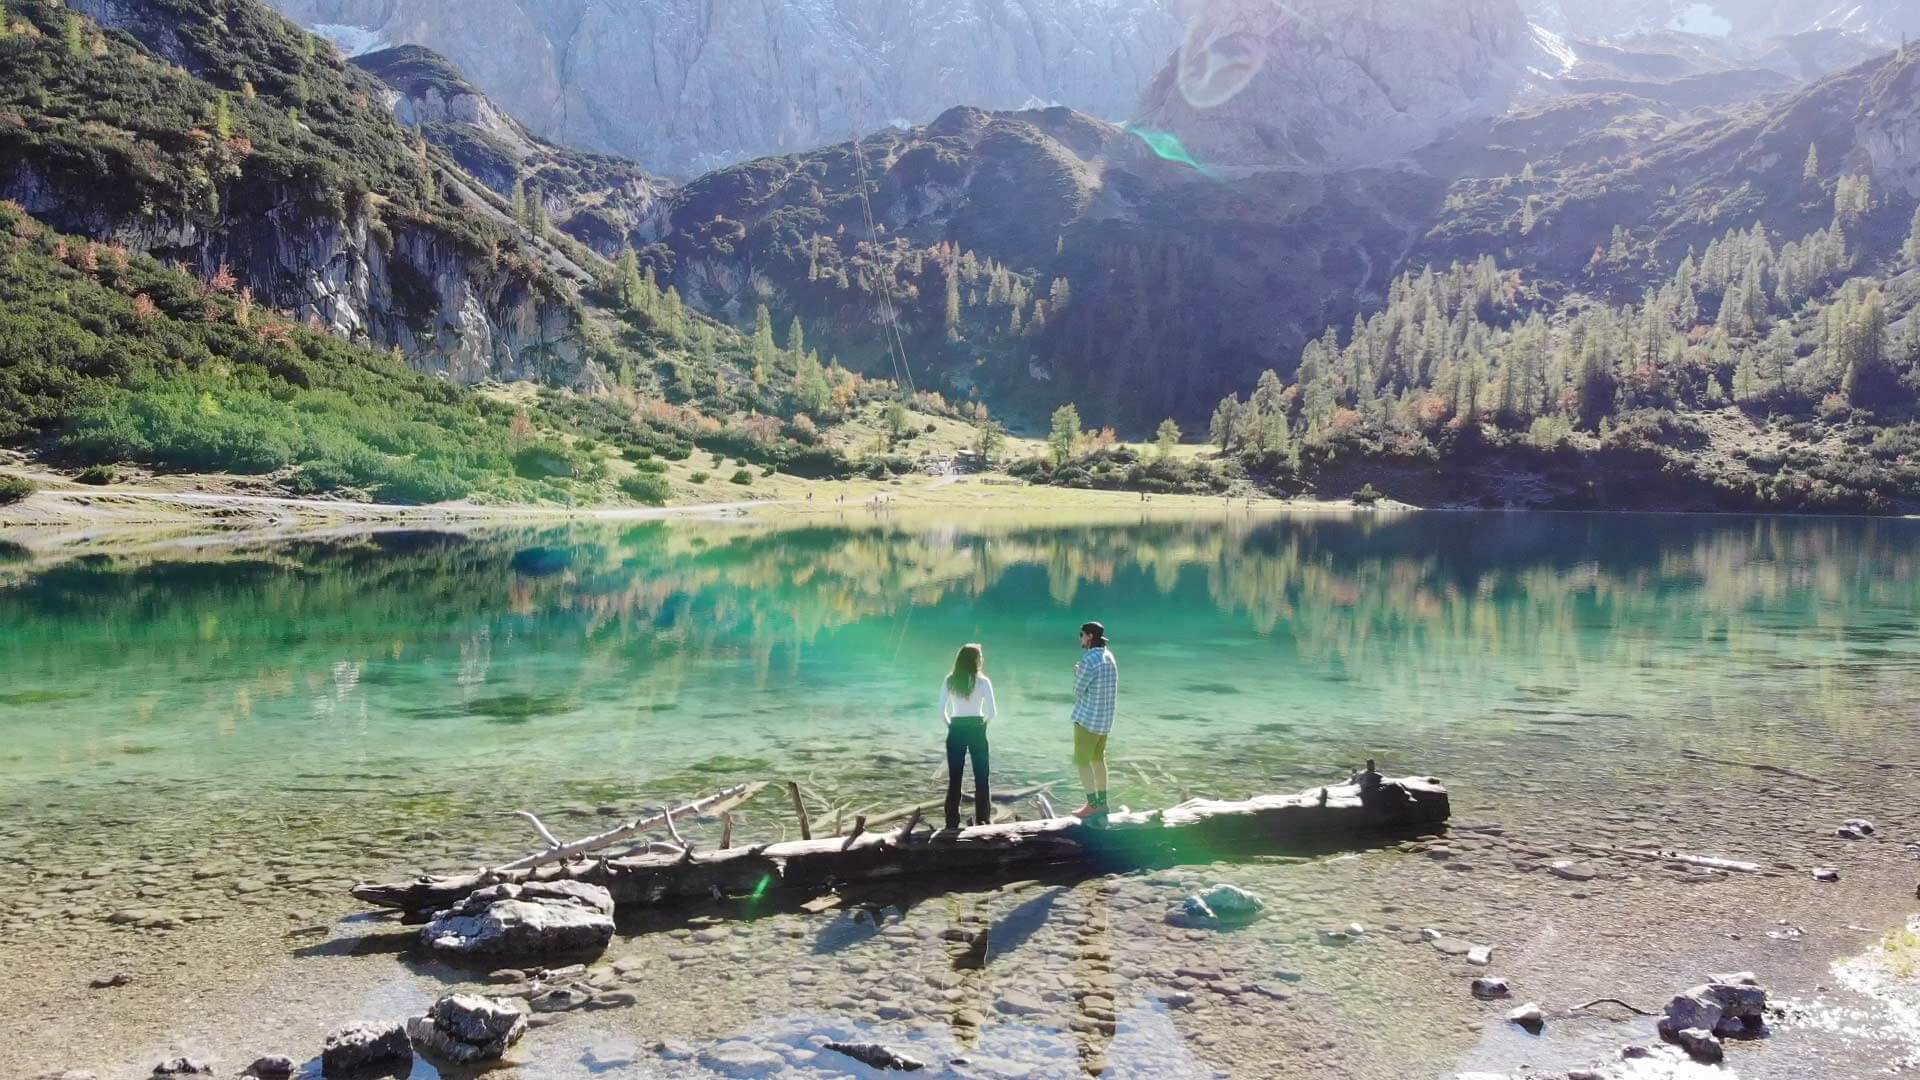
(1168, 147)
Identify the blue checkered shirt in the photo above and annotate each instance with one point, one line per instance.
(1096, 683)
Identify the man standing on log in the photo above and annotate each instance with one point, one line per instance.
(1096, 685)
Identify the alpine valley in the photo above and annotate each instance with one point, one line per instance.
(1447, 252)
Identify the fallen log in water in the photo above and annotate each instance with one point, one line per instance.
(1196, 830)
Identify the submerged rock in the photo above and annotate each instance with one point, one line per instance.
(538, 917)
(1221, 905)
(465, 1028)
(1826, 873)
(741, 1059)
(1573, 871)
(183, 1066)
(877, 1056)
(272, 1067)
(364, 1047)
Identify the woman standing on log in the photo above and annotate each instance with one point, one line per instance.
(967, 706)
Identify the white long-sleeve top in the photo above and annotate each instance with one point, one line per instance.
(978, 703)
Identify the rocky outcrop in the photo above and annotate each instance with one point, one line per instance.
(444, 283)
(684, 86)
(1887, 127)
(1339, 83)
(535, 919)
(600, 200)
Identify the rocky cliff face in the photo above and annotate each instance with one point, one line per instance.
(453, 301)
(683, 86)
(598, 199)
(1881, 20)
(1887, 127)
(1340, 83)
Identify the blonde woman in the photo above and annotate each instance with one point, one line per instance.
(967, 707)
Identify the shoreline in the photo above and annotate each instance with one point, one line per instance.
(122, 517)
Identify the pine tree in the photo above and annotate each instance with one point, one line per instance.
(1911, 249)
(1166, 438)
(764, 350)
(811, 390)
(952, 311)
(796, 338)
(627, 279)
(1225, 428)
(536, 212)
(520, 198)
(1064, 435)
(1811, 172)
(989, 439)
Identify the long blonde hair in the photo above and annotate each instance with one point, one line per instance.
(966, 669)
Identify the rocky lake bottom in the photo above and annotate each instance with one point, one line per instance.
(247, 944)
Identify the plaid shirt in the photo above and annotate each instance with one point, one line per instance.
(1096, 683)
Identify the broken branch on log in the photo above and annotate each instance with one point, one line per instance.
(538, 827)
(859, 826)
(800, 808)
(906, 831)
(715, 803)
(1196, 830)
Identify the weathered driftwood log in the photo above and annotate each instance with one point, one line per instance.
(1193, 831)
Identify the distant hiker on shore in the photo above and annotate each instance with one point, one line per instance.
(1096, 685)
(967, 706)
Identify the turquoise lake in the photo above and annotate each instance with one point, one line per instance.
(232, 732)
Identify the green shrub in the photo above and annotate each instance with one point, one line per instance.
(743, 477)
(544, 461)
(14, 488)
(319, 477)
(648, 488)
(98, 475)
(701, 477)
(415, 482)
(1367, 495)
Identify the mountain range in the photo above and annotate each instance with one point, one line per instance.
(1426, 231)
(685, 86)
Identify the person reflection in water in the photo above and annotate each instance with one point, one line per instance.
(967, 706)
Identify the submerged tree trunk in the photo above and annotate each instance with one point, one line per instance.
(1197, 830)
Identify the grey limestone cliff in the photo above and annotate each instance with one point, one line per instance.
(683, 86)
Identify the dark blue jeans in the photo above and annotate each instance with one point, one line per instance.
(967, 735)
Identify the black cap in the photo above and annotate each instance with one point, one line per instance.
(1098, 631)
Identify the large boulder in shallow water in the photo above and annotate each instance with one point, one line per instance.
(365, 1048)
(464, 1028)
(538, 918)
